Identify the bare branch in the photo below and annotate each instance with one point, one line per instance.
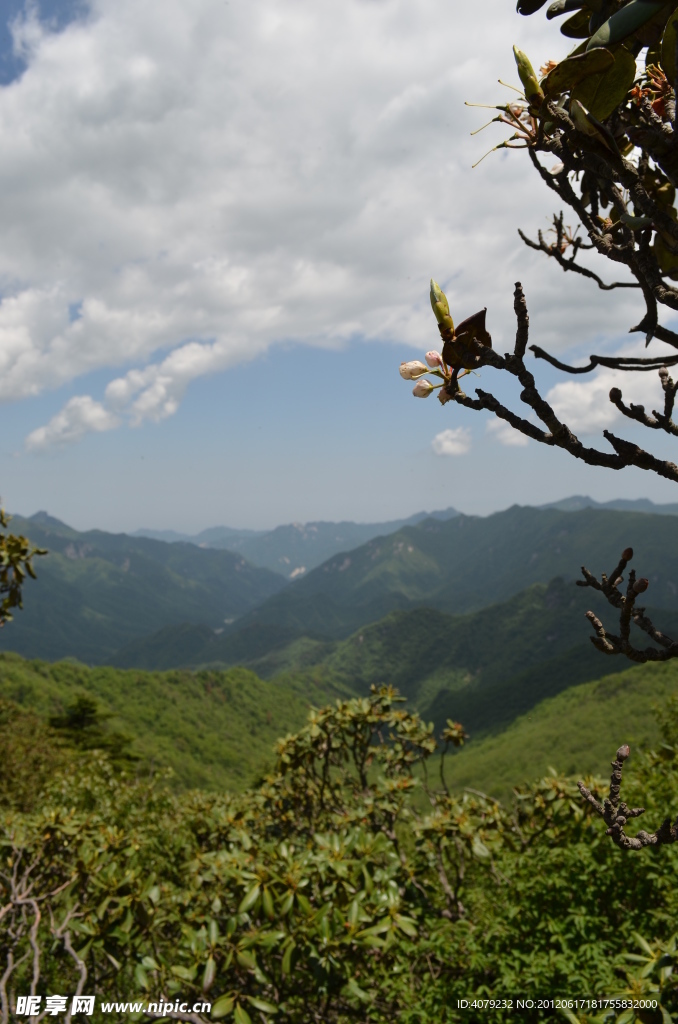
(630, 363)
(555, 251)
(658, 420)
(557, 434)
(610, 643)
(615, 813)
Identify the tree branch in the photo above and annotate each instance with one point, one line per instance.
(557, 434)
(611, 643)
(615, 813)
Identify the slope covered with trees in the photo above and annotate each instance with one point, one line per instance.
(328, 894)
(100, 590)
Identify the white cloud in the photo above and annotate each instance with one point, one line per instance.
(79, 416)
(454, 441)
(201, 180)
(505, 433)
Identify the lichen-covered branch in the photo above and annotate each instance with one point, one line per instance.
(615, 813)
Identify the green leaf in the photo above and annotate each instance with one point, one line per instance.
(479, 849)
(577, 27)
(407, 925)
(150, 963)
(601, 93)
(222, 1007)
(209, 974)
(267, 904)
(185, 973)
(287, 958)
(376, 929)
(154, 893)
(246, 959)
(262, 1004)
(624, 23)
(359, 993)
(644, 944)
(572, 70)
(241, 1016)
(140, 977)
(249, 899)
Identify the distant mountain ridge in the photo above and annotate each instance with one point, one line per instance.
(296, 548)
(467, 563)
(580, 501)
(99, 593)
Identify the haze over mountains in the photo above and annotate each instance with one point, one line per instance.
(296, 548)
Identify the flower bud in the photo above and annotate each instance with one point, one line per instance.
(415, 368)
(627, 554)
(615, 395)
(623, 752)
(435, 360)
(641, 585)
(441, 307)
(422, 389)
(533, 92)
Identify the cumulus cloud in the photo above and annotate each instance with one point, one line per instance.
(182, 185)
(505, 434)
(454, 441)
(80, 416)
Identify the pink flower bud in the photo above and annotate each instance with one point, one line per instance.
(415, 368)
(641, 585)
(434, 359)
(422, 389)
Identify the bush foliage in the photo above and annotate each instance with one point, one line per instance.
(332, 892)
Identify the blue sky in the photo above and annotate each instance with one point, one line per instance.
(217, 238)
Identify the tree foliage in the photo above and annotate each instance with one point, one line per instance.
(16, 562)
(340, 889)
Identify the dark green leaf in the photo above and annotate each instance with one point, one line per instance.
(601, 94)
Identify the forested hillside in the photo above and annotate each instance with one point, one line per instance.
(99, 590)
(468, 563)
(330, 891)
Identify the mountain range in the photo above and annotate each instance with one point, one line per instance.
(475, 619)
(472, 618)
(296, 548)
(98, 591)
(467, 563)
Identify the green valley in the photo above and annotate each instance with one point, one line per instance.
(214, 729)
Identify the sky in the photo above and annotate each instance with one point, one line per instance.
(218, 225)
